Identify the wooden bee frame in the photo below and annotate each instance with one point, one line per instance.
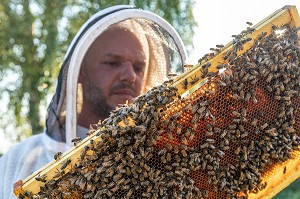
(285, 15)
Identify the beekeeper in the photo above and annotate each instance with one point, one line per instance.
(118, 54)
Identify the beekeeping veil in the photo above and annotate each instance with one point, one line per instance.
(162, 46)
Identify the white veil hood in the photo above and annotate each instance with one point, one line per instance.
(166, 50)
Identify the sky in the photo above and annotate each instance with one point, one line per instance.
(217, 21)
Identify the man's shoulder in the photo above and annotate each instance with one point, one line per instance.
(26, 145)
(32, 140)
(20, 161)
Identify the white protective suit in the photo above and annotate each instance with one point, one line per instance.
(164, 50)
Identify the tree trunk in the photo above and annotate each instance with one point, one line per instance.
(34, 113)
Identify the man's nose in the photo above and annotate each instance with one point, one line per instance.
(127, 72)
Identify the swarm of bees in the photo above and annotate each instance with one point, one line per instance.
(237, 42)
(218, 142)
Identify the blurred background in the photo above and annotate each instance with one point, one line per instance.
(35, 34)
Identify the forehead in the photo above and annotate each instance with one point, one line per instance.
(118, 40)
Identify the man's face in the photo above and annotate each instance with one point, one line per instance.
(112, 72)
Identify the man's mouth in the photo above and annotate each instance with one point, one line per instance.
(124, 94)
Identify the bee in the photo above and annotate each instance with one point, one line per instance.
(107, 163)
(286, 98)
(58, 174)
(28, 195)
(206, 65)
(185, 84)
(247, 97)
(254, 122)
(175, 164)
(238, 133)
(107, 158)
(236, 113)
(226, 142)
(235, 96)
(170, 135)
(183, 153)
(246, 77)
(163, 159)
(126, 121)
(248, 174)
(272, 132)
(162, 152)
(117, 177)
(138, 141)
(149, 188)
(65, 164)
(126, 187)
(41, 178)
(76, 140)
(85, 149)
(57, 155)
(264, 126)
(172, 75)
(254, 81)
(241, 128)
(220, 153)
(242, 94)
(209, 127)
(223, 134)
(216, 50)
(188, 66)
(210, 140)
(232, 126)
(245, 134)
(221, 66)
(249, 30)
(249, 23)
(251, 147)
(203, 58)
(177, 158)
(21, 196)
(220, 83)
(270, 77)
(147, 167)
(262, 35)
(209, 133)
(237, 150)
(129, 193)
(204, 72)
(92, 143)
(269, 88)
(194, 80)
(146, 195)
(168, 157)
(212, 74)
(245, 153)
(178, 129)
(184, 141)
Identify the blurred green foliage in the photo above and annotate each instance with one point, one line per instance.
(34, 36)
(290, 192)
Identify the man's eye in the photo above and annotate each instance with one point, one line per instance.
(112, 63)
(139, 69)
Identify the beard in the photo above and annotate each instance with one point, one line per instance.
(94, 96)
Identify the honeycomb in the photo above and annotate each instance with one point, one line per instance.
(220, 141)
